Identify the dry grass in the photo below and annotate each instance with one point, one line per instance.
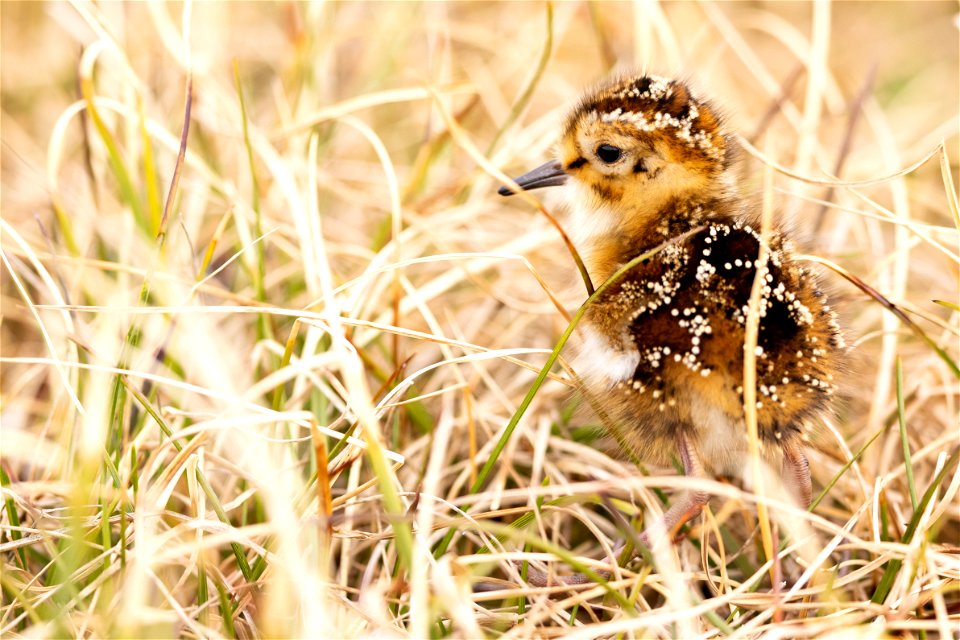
(182, 359)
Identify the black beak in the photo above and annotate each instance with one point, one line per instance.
(550, 174)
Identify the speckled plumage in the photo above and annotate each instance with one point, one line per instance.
(645, 161)
(684, 312)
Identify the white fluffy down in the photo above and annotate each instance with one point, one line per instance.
(600, 362)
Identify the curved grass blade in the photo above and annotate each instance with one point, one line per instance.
(528, 90)
(889, 306)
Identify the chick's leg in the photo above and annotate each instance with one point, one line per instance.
(690, 503)
(796, 471)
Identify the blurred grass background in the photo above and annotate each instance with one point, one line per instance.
(186, 343)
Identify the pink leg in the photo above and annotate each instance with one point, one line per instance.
(688, 506)
(796, 471)
(691, 503)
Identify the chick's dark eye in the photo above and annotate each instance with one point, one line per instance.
(609, 153)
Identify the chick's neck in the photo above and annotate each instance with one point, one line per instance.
(638, 232)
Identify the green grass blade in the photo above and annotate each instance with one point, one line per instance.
(150, 178)
(118, 166)
(226, 610)
(259, 271)
(14, 517)
(893, 567)
(904, 440)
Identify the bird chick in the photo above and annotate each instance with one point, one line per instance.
(645, 161)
